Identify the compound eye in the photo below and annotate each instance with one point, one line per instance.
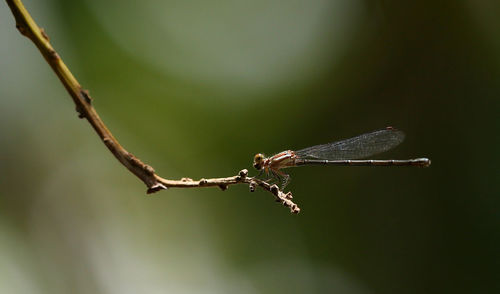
(258, 157)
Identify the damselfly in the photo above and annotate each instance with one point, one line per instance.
(346, 152)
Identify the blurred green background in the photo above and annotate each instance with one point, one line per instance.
(196, 88)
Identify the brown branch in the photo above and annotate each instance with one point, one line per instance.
(27, 26)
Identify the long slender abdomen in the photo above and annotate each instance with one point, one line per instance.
(422, 162)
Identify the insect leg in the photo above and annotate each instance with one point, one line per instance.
(284, 178)
(275, 176)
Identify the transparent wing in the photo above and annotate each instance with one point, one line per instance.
(358, 147)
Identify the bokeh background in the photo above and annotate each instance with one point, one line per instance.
(196, 88)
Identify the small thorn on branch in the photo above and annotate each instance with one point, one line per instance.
(44, 34)
(22, 29)
(242, 174)
(81, 113)
(108, 142)
(155, 188)
(137, 163)
(149, 169)
(53, 54)
(252, 186)
(86, 96)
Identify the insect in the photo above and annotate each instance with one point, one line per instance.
(348, 152)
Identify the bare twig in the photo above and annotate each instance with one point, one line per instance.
(27, 26)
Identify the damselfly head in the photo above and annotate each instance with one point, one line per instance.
(258, 161)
